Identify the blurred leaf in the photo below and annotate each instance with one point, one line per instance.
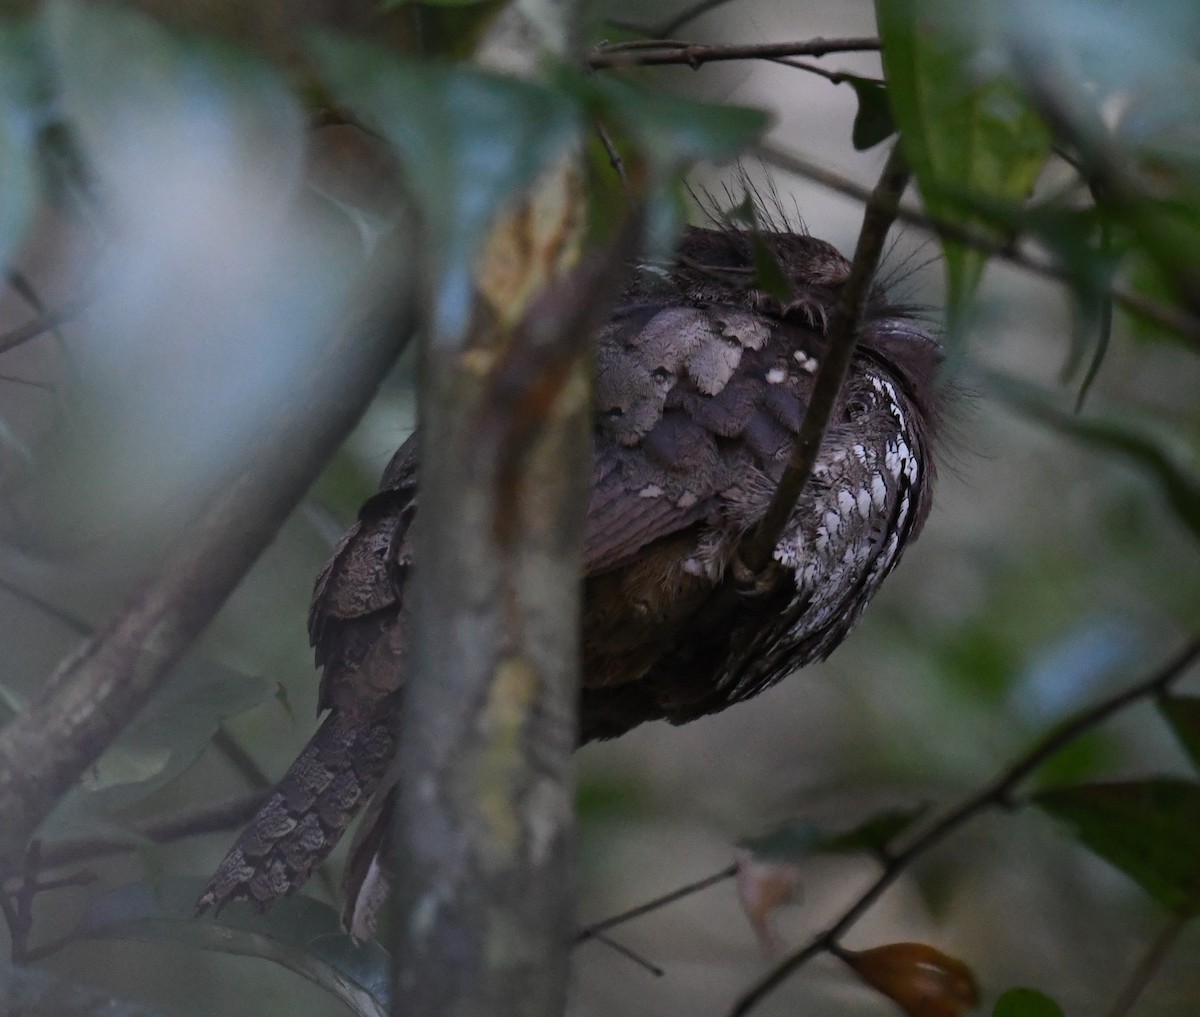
(667, 135)
(1180, 486)
(769, 276)
(965, 136)
(1183, 714)
(1026, 1003)
(1150, 830)
(672, 133)
(921, 980)
(790, 842)
(18, 134)
(469, 141)
(391, 5)
(873, 122)
(602, 796)
(763, 888)
(878, 833)
(125, 79)
(169, 735)
(799, 839)
(298, 933)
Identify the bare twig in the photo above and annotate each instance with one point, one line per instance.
(694, 55)
(97, 690)
(756, 550)
(1170, 319)
(1149, 964)
(996, 794)
(47, 322)
(225, 815)
(593, 931)
(629, 954)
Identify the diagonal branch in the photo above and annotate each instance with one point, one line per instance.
(97, 690)
(756, 550)
(998, 794)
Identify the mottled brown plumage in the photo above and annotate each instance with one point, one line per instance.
(701, 382)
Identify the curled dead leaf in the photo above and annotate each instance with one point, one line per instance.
(922, 981)
(764, 886)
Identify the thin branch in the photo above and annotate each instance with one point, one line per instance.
(47, 322)
(629, 954)
(756, 550)
(225, 815)
(996, 794)
(593, 931)
(696, 54)
(1170, 319)
(1149, 965)
(94, 693)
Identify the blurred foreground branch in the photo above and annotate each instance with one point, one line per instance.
(96, 691)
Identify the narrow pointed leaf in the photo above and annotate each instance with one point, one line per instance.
(966, 135)
(1150, 830)
(298, 933)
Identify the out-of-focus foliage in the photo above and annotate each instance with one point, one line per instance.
(158, 181)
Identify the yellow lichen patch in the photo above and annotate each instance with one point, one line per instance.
(533, 242)
(499, 773)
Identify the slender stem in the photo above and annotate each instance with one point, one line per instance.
(844, 327)
(996, 794)
(225, 815)
(1148, 966)
(693, 55)
(629, 954)
(594, 931)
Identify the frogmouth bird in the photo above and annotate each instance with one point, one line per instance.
(702, 380)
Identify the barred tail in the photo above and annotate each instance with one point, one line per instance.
(308, 811)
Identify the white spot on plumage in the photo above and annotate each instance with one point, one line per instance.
(845, 502)
(650, 491)
(860, 454)
(693, 567)
(807, 364)
(686, 500)
(777, 375)
(864, 503)
(878, 491)
(892, 461)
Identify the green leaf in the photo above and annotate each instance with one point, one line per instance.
(1150, 830)
(1183, 714)
(878, 833)
(170, 735)
(672, 133)
(298, 933)
(769, 275)
(469, 141)
(965, 135)
(873, 122)
(1179, 485)
(792, 841)
(798, 839)
(1026, 1003)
